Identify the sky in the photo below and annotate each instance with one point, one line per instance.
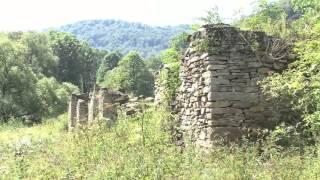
(42, 14)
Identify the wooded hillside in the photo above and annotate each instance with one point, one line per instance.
(124, 36)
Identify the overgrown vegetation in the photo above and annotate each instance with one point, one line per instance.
(29, 69)
(130, 76)
(139, 147)
(298, 87)
(38, 71)
(169, 74)
(115, 35)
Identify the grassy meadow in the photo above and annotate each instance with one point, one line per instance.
(139, 147)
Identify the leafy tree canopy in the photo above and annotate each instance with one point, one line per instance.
(130, 76)
(115, 35)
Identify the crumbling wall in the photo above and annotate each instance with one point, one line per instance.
(77, 111)
(219, 95)
(72, 110)
(100, 104)
(158, 90)
(93, 107)
(109, 100)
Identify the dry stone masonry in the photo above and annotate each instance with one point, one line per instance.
(102, 103)
(219, 95)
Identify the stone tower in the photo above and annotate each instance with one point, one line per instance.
(219, 95)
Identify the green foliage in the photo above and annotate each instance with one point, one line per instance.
(170, 56)
(169, 74)
(297, 88)
(16, 80)
(26, 62)
(179, 42)
(169, 79)
(153, 63)
(310, 6)
(78, 62)
(271, 17)
(115, 35)
(53, 96)
(109, 62)
(38, 53)
(139, 147)
(203, 46)
(130, 76)
(212, 17)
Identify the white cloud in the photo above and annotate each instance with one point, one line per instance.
(39, 14)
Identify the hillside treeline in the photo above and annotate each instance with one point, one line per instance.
(115, 35)
(38, 72)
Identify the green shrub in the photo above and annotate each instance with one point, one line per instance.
(138, 147)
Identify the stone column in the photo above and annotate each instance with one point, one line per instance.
(107, 107)
(72, 112)
(93, 108)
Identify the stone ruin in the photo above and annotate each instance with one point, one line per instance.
(101, 103)
(219, 95)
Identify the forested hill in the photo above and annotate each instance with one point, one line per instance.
(125, 36)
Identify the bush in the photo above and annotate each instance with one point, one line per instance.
(53, 96)
(138, 147)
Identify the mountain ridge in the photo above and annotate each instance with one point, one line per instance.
(111, 34)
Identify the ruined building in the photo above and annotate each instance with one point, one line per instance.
(219, 95)
(100, 104)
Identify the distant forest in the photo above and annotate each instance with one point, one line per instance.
(114, 35)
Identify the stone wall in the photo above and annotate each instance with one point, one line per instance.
(160, 88)
(219, 95)
(100, 104)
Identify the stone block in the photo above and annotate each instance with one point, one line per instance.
(216, 81)
(254, 64)
(218, 104)
(216, 67)
(227, 133)
(227, 110)
(232, 96)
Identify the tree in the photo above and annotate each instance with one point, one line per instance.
(39, 53)
(109, 62)
(131, 76)
(170, 56)
(24, 89)
(53, 96)
(89, 59)
(272, 17)
(179, 42)
(17, 91)
(169, 75)
(307, 6)
(67, 47)
(212, 17)
(297, 88)
(153, 63)
(120, 35)
(78, 62)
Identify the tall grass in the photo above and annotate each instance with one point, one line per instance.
(138, 147)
